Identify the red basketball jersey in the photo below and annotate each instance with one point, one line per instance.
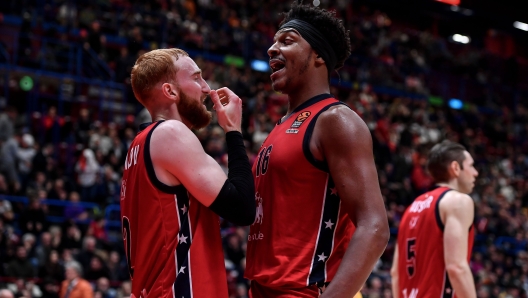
(300, 233)
(172, 242)
(421, 267)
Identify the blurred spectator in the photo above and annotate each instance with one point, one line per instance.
(21, 266)
(125, 290)
(44, 248)
(73, 238)
(52, 124)
(88, 251)
(95, 40)
(6, 210)
(52, 268)
(5, 293)
(25, 154)
(33, 219)
(87, 168)
(75, 211)
(96, 269)
(117, 267)
(74, 286)
(103, 285)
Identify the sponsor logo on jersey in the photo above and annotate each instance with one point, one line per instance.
(260, 213)
(292, 130)
(300, 119)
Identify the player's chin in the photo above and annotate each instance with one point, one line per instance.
(278, 86)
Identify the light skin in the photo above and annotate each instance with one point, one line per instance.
(457, 214)
(343, 141)
(178, 155)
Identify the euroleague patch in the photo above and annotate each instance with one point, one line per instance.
(300, 119)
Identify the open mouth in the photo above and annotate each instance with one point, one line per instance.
(276, 64)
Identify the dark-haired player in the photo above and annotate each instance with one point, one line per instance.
(435, 237)
(315, 175)
(171, 189)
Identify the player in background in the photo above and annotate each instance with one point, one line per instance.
(171, 189)
(435, 236)
(315, 174)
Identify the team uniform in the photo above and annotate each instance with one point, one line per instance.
(421, 267)
(300, 233)
(172, 241)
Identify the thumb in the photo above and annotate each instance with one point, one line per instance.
(216, 100)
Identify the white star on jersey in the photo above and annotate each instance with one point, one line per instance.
(182, 239)
(182, 270)
(333, 191)
(329, 224)
(184, 209)
(322, 257)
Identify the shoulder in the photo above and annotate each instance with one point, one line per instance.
(341, 126)
(341, 117)
(457, 202)
(173, 132)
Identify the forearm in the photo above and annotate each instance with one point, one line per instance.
(394, 285)
(462, 280)
(236, 200)
(365, 248)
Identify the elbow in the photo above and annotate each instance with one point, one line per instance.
(382, 233)
(456, 269)
(379, 234)
(248, 218)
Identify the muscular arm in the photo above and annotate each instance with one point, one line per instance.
(457, 212)
(179, 158)
(343, 140)
(394, 273)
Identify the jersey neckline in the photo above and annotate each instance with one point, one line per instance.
(306, 104)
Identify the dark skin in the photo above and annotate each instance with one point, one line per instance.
(343, 141)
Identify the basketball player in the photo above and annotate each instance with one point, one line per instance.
(171, 189)
(435, 237)
(315, 174)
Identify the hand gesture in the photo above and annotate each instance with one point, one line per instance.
(228, 107)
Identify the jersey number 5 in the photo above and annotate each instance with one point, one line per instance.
(263, 160)
(411, 257)
(127, 237)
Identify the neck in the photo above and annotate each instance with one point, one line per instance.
(169, 112)
(317, 84)
(453, 184)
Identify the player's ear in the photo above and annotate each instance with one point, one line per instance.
(318, 59)
(169, 91)
(454, 168)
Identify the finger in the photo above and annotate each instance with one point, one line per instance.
(216, 100)
(226, 92)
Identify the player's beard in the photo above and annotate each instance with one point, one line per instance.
(192, 110)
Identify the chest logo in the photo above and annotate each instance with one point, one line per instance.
(300, 119)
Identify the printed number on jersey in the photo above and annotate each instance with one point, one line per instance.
(127, 237)
(411, 256)
(263, 160)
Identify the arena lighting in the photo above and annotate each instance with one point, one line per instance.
(260, 65)
(461, 38)
(520, 25)
(26, 83)
(455, 104)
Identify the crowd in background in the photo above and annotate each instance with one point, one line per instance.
(34, 251)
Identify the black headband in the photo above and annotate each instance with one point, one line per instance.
(316, 39)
